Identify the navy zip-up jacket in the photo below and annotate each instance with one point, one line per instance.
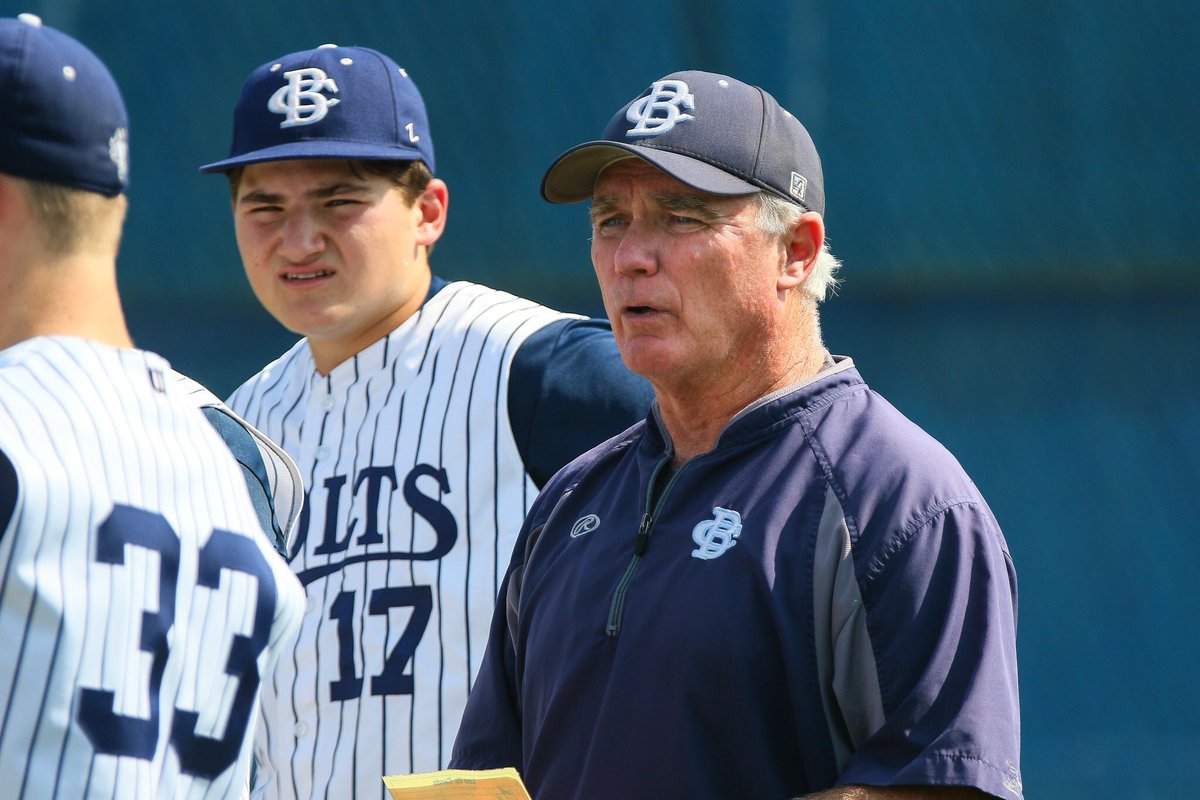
(822, 599)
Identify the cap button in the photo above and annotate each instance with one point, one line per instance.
(325, 46)
(32, 20)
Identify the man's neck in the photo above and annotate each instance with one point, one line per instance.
(71, 297)
(695, 416)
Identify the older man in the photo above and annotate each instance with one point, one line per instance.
(776, 585)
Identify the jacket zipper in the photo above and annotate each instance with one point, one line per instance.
(617, 608)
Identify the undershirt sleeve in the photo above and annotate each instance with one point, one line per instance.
(8, 492)
(568, 391)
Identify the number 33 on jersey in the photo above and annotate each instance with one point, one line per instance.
(141, 604)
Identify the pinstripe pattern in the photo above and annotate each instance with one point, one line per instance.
(106, 452)
(416, 492)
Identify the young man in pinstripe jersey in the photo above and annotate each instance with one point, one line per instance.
(424, 415)
(140, 603)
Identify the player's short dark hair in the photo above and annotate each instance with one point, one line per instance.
(67, 218)
(410, 177)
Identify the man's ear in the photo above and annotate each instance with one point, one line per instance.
(802, 246)
(432, 205)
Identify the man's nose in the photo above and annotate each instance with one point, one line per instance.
(301, 238)
(637, 252)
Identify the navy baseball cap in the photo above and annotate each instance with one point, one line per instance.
(331, 102)
(64, 121)
(710, 131)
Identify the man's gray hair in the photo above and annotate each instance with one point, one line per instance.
(776, 216)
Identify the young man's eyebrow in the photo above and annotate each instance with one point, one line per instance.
(337, 188)
(264, 197)
(260, 197)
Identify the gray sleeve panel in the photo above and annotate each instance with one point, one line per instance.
(846, 666)
(274, 468)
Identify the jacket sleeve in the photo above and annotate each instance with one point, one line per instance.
(940, 605)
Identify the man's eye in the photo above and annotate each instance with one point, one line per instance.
(341, 201)
(609, 222)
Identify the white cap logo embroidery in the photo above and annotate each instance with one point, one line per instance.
(660, 110)
(300, 99)
(118, 152)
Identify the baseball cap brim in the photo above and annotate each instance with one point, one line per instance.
(572, 176)
(316, 149)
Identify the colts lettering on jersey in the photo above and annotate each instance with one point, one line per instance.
(360, 534)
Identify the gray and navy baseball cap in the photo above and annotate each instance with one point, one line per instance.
(331, 102)
(64, 121)
(710, 131)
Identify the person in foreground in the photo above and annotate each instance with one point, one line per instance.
(776, 585)
(424, 415)
(141, 602)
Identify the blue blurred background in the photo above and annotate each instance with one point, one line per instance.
(1012, 187)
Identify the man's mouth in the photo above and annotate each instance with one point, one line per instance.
(306, 276)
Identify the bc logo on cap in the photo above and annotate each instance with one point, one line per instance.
(657, 113)
(300, 99)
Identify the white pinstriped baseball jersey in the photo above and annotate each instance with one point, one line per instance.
(139, 600)
(416, 491)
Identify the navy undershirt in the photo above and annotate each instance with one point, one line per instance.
(8, 492)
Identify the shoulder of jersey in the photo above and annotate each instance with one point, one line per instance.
(297, 358)
(286, 484)
(458, 289)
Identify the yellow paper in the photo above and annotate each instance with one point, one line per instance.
(458, 784)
